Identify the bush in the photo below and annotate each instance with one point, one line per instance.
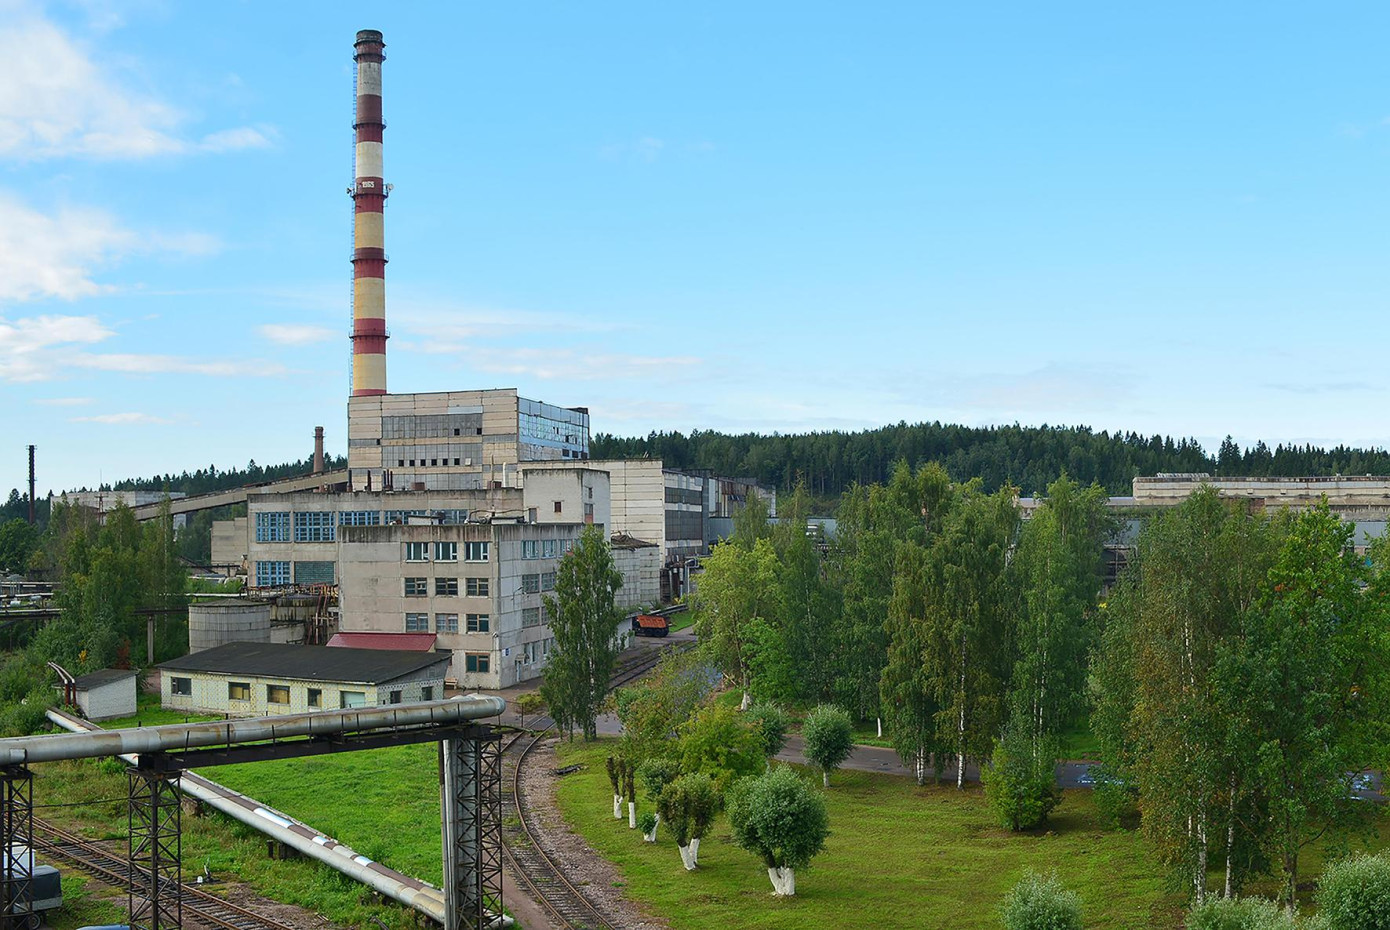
(779, 818)
(771, 723)
(1039, 902)
(829, 736)
(1239, 914)
(1354, 894)
(646, 822)
(1021, 783)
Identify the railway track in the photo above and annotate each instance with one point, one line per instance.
(528, 861)
(199, 907)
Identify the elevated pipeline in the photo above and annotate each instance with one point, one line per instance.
(399, 887)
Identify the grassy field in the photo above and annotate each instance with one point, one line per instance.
(384, 803)
(899, 855)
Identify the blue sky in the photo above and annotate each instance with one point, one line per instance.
(730, 216)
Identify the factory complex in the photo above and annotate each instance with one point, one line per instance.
(456, 506)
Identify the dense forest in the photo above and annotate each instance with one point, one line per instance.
(1028, 457)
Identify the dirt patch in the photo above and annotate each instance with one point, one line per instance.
(595, 875)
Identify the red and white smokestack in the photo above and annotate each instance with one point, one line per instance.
(369, 192)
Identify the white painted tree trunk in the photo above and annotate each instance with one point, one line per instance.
(631, 815)
(920, 765)
(880, 727)
(694, 850)
(825, 777)
(783, 881)
(687, 858)
(651, 837)
(617, 807)
(747, 701)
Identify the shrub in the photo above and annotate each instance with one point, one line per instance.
(771, 723)
(1354, 894)
(720, 743)
(1020, 782)
(1239, 914)
(1040, 902)
(829, 736)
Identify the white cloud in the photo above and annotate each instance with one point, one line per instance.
(64, 401)
(233, 140)
(46, 347)
(27, 346)
(120, 419)
(58, 100)
(295, 334)
(646, 149)
(171, 364)
(552, 364)
(54, 256)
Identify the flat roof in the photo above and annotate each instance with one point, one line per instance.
(306, 663)
(398, 642)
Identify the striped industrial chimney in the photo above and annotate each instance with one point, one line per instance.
(369, 238)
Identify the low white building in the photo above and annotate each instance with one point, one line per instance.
(254, 679)
(106, 694)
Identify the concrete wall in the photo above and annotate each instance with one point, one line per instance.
(108, 701)
(641, 568)
(230, 543)
(1342, 491)
(210, 692)
(569, 492)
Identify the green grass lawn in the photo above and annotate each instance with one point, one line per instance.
(898, 856)
(683, 620)
(384, 803)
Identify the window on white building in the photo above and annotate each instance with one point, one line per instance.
(530, 616)
(446, 623)
(477, 623)
(417, 623)
(417, 587)
(181, 686)
(530, 584)
(476, 551)
(446, 552)
(417, 552)
(446, 587)
(547, 581)
(477, 662)
(477, 587)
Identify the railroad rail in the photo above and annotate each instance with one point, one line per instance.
(199, 907)
(527, 860)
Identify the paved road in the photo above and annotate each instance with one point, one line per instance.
(886, 762)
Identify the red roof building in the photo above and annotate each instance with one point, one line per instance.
(401, 642)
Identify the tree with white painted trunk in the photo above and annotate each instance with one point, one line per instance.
(781, 820)
(688, 806)
(829, 738)
(628, 771)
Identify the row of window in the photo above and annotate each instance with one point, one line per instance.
(545, 548)
(531, 653)
(446, 587)
(320, 526)
(447, 551)
(280, 694)
(275, 573)
(448, 623)
(533, 584)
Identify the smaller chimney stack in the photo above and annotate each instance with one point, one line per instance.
(32, 516)
(318, 451)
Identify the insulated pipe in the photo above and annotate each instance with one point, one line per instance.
(369, 192)
(182, 736)
(397, 886)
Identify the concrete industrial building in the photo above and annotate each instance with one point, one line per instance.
(104, 695)
(254, 679)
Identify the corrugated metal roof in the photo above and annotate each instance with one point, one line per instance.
(307, 663)
(403, 642)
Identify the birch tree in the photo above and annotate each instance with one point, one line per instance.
(738, 588)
